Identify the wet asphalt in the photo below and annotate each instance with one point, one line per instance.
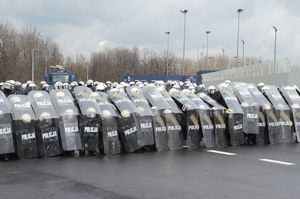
(183, 174)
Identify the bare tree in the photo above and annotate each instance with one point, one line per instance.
(16, 53)
(110, 64)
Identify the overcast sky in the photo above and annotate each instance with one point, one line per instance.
(85, 26)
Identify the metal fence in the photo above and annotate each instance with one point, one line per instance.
(281, 66)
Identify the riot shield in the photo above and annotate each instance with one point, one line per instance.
(251, 110)
(109, 137)
(145, 114)
(67, 111)
(212, 133)
(191, 129)
(161, 122)
(174, 108)
(282, 112)
(234, 114)
(89, 121)
(104, 104)
(6, 136)
(160, 130)
(23, 126)
(155, 98)
(46, 124)
(269, 128)
(130, 133)
(293, 99)
(175, 122)
(218, 116)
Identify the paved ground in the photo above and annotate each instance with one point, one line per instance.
(180, 174)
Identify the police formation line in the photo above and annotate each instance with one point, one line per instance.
(111, 118)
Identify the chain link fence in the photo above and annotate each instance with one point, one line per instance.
(266, 68)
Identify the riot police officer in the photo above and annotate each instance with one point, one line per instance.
(200, 88)
(214, 94)
(18, 88)
(46, 88)
(90, 84)
(7, 88)
(81, 83)
(260, 86)
(100, 88)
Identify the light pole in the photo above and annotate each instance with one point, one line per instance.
(1, 45)
(46, 63)
(239, 11)
(275, 43)
(32, 63)
(184, 27)
(243, 42)
(207, 33)
(223, 53)
(168, 40)
(87, 72)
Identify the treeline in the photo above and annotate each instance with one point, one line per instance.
(16, 53)
(17, 47)
(113, 64)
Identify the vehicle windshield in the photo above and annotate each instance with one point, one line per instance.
(60, 78)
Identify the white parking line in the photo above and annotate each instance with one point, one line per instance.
(220, 152)
(278, 162)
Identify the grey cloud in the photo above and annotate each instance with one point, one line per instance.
(79, 26)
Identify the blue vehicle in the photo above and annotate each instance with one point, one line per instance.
(152, 78)
(59, 74)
